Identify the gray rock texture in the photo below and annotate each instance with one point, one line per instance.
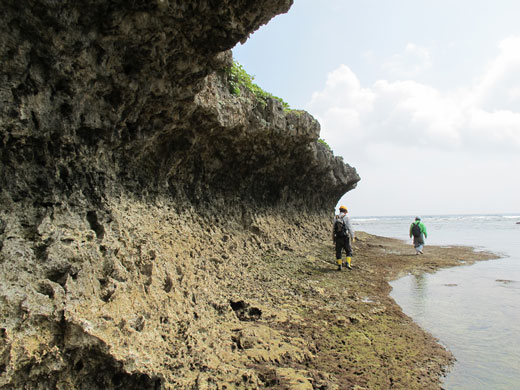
(136, 191)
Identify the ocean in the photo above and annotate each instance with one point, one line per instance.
(473, 310)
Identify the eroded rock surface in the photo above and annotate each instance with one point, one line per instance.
(138, 195)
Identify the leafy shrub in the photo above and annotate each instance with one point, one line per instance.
(322, 141)
(238, 78)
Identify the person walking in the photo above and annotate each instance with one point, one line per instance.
(418, 232)
(342, 234)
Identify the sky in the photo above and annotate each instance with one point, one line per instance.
(421, 97)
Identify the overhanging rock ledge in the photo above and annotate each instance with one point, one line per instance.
(136, 191)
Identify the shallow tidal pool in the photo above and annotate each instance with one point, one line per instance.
(475, 312)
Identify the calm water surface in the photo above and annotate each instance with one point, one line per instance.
(473, 310)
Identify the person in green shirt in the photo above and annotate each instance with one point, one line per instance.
(418, 232)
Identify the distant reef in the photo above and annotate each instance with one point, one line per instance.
(138, 191)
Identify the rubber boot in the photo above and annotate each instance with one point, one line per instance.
(349, 259)
(340, 264)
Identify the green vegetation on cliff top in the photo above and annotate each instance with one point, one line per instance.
(322, 141)
(238, 77)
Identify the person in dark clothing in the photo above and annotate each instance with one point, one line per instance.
(342, 235)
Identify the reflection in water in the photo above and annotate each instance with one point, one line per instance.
(420, 294)
(476, 315)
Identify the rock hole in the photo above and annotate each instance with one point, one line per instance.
(45, 289)
(269, 378)
(236, 306)
(95, 225)
(66, 109)
(78, 366)
(59, 275)
(122, 380)
(244, 312)
(168, 284)
(107, 289)
(35, 120)
(40, 251)
(255, 313)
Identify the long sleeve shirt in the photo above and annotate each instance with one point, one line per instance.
(348, 226)
(421, 226)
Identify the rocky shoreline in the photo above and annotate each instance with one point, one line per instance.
(356, 336)
(161, 230)
(151, 298)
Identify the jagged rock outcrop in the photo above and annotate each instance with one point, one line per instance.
(106, 92)
(136, 192)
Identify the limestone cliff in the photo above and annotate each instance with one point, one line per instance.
(138, 194)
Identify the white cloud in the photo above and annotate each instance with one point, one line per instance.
(499, 87)
(453, 146)
(346, 91)
(409, 64)
(408, 113)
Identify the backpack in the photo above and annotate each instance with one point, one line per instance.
(416, 230)
(340, 230)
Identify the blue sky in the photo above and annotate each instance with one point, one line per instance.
(422, 97)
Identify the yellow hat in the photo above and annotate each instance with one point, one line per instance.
(342, 208)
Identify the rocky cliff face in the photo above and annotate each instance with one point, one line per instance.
(137, 194)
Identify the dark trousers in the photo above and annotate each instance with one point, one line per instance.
(343, 243)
